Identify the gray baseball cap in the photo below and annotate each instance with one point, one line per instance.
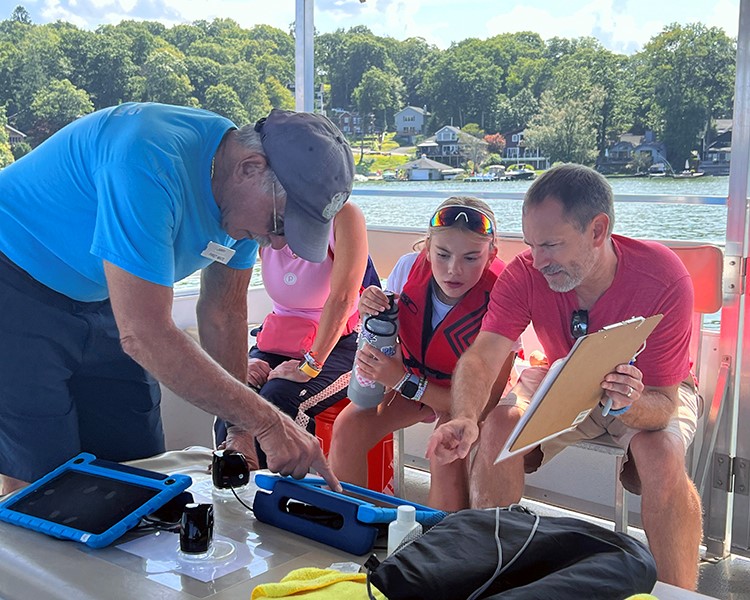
(312, 160)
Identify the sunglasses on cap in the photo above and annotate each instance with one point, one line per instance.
(473, 219)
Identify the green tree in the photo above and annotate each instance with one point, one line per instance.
(101, 64)
(278, 94)
(566, 131)
(350, 59)
(464, 84)
(243, 77)
(473, 129)
(513, 114)
(6, 156)
(21, 15)
(20, 149)
(223, 100)
(143, 38)
(203, 73)
(40, 61)
(411, 57)
(379, 93)
(688, 79)
(474, 149)
(166, 77)
(589, 65)
(183, 35)
(56, 105)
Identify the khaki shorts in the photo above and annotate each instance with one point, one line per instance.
(682, 425)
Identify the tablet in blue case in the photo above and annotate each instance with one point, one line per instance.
(90, 500)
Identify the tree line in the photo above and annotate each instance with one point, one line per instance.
(572, 96)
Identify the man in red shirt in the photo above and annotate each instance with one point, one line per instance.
(578, 277)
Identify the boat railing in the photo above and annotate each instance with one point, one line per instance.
(442, 193)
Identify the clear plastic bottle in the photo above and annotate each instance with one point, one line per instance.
(380, 332)
(404, 525)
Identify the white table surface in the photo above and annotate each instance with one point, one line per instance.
(36, 566)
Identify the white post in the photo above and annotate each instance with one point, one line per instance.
(303, 64)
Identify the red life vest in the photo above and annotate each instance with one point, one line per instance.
(434, 354)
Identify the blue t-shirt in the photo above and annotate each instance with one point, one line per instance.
(129, 184)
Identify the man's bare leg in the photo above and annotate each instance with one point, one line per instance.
(670, 507)
(498, 484)
(8, 484)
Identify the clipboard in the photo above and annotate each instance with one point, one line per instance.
(572, 386)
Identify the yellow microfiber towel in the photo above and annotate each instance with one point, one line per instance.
(642, 597)
(318, 584)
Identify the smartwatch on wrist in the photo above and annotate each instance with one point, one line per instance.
(409, 387)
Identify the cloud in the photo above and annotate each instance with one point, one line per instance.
(724, 14)
(623, 26)
(91, 13)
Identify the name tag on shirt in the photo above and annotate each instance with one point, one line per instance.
(218, 253)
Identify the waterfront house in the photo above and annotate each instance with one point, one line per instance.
(451, 146)
(632, 151)
(517, 151)
(14, 135)
(717, 155)
(410, 122)
(425, 169)
(653, 150)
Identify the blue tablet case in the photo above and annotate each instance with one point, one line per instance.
(308, 508)
(90, 500)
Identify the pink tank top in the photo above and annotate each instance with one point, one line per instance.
(297, 287)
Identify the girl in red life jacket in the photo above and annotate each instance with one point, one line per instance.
(443, 295)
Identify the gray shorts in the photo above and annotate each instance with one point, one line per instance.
(682, 424)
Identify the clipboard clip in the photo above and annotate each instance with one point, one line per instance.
(639, 320)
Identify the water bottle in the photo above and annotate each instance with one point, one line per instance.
(380, 332)
(403, 527)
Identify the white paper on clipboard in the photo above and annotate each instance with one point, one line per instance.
(572, 386)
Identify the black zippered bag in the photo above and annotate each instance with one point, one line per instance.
(541, 557)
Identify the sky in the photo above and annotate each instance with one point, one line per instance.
(623, 26)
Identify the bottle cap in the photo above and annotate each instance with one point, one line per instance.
(406, 513)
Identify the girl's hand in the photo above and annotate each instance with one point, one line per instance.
(376, 366)
(372, 301)
(257, 372)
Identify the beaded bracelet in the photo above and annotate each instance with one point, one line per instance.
(310, 359)
(420, 390)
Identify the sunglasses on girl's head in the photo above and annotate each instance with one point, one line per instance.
(473, 219)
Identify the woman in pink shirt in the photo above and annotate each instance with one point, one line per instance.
(305, 348)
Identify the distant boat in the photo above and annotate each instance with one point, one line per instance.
(481, 177)
(519, 171)
(657, 170)
(687, 172)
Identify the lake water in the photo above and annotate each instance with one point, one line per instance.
(700, 222)
(697, 222)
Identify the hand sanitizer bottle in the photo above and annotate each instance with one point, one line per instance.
(404, 526)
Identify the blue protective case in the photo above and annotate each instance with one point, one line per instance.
(338, 520)
(166, 487)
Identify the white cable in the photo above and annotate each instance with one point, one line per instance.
(499, 570)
